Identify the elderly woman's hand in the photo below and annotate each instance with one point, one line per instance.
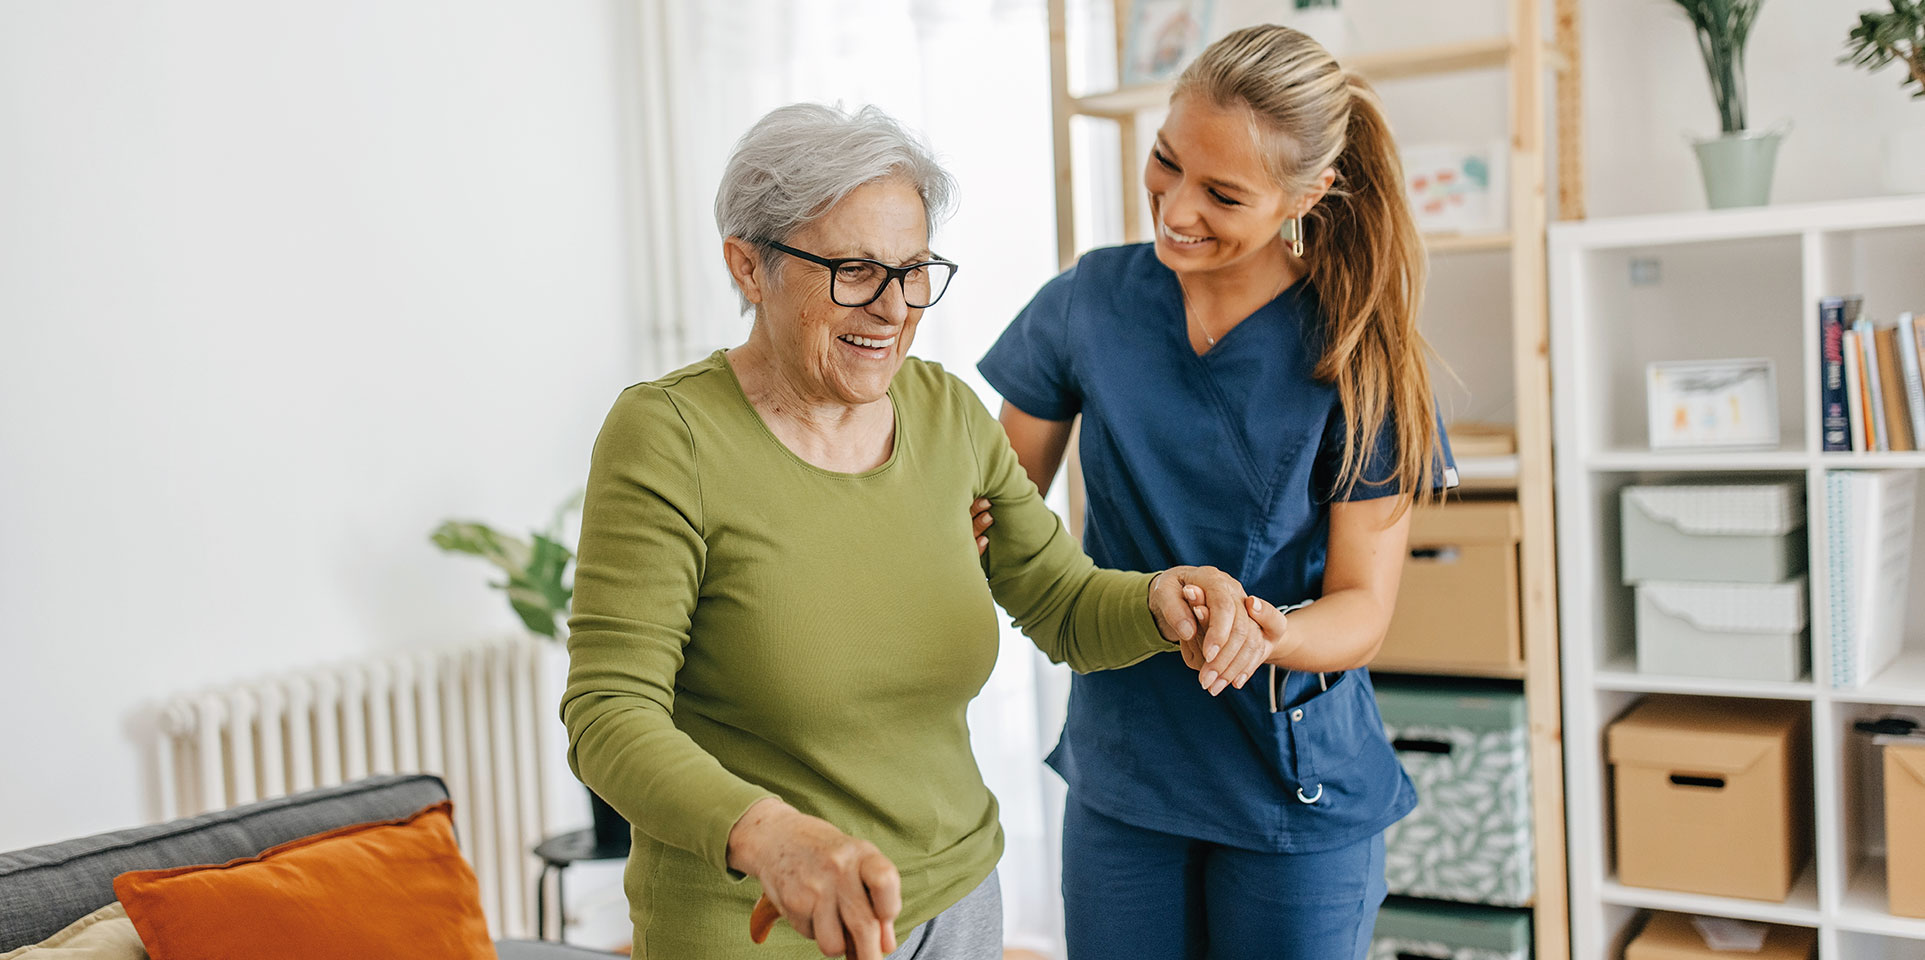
(834, 889)
(1207, 614)
(1272, 642)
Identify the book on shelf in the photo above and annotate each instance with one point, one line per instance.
(1911, 363)
(1476, 438)
(1868, 545)
(1896, 409)
(1855, 392)
(1835, 314)
(1874, 398)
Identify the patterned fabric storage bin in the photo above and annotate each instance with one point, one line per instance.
(1466, 749)
(1443, 931)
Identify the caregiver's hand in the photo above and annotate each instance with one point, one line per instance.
(979, 520)
(1203, 610)
(834, 889)
(1272, 641)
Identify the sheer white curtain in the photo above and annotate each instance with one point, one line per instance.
(973, 76)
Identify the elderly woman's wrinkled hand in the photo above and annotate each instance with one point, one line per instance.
(834, 889)
(1222, 634)
(1271, 643)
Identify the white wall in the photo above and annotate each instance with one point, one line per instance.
(282, 285)
(1647, 95)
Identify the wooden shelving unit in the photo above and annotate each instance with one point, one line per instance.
(1542, 43)
(1733, 284)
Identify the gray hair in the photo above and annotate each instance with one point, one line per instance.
(802, 159)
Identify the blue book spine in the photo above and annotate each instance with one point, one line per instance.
(1833, 409)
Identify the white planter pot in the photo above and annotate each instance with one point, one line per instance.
(1738, 167)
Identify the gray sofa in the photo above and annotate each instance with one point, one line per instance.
(43, 889)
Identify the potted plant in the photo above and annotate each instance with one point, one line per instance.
(1739, 162)
(539, 588)
(1879, 39)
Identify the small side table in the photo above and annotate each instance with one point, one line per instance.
(558, 853)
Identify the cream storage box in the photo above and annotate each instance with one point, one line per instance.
(1712, 795)
(1735, 631)
(1905, 826)
(1670, 936)
(1457, 608)
(1727, 533)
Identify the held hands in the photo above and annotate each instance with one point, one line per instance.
(834, 889)
(1224, 634)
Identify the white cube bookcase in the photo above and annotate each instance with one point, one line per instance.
(1699, 286)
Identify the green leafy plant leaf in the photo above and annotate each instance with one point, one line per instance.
(1880, 38)
(538, 586)
(1723, 28)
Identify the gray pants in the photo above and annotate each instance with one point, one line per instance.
(971, 929)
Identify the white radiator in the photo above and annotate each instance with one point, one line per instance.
(468, 715)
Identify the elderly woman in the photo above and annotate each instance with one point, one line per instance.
(781, 611)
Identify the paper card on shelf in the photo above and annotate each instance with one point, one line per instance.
(1712, 403)
(1731, 936)
(1163, 37)
(1458, 188)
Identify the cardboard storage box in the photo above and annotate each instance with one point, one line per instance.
(1712, 795)
(1730, 533)
(1413, 928)
(1457, 606)
(1738, 631)
(1905, 828)
(1670, 936)
(1467, 751)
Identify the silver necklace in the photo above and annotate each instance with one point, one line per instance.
(1207, 338)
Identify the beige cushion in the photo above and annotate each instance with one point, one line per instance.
(105, 934)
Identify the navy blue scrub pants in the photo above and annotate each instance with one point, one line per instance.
(1144, 895)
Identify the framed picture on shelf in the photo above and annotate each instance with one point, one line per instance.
(1458, 187)
(1163, 37)
(1712, 403)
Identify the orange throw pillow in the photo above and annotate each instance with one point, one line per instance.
(397, 889)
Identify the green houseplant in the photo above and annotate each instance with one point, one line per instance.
(1878, 39)
(1738, 163)
(538, 584)
(1881, 38)
(539, 589)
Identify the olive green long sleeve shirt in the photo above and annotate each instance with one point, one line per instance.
(749, 625)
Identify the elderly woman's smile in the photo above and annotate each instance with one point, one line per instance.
(831, 353)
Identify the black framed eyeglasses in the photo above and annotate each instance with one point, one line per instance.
(859, 281)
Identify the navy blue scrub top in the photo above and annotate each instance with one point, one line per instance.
(1228, 459)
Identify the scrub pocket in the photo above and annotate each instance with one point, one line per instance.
(1339, 762)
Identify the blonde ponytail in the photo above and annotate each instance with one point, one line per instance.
(1365, 256)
